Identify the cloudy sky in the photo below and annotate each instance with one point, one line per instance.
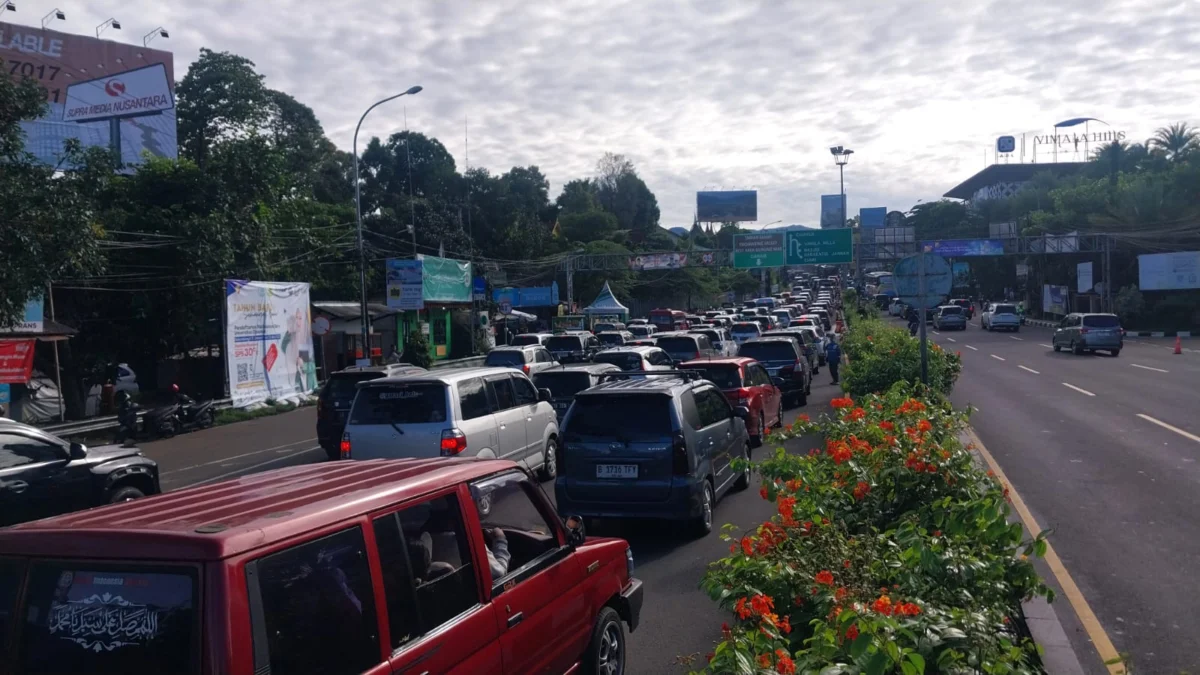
(706, 94)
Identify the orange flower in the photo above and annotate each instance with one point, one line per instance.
(846, 564)
(883, 605)
(803, 417)
(785, 666)
(856, 414)
(887, 426)
(840, 593)
(861, 490)
(924, 425)
(908, 609)
(726, 632)
(845, 402)
(785, 625)
(742, 610)
(852, 632)
(937, 533)
(747, 545)
(762, 604)
(824, 577)
(762, 492)
(794, 485)
(764, 661)
(787, 507)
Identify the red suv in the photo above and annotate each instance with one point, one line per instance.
(745, 382)
(384, 566)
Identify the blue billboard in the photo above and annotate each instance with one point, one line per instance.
(833, 207)
(727, 206)
(535, 296)
(872, 217)
(954, 248)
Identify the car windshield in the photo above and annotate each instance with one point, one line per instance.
(1005, 309)
(408, 403)
(641, 331)
(724, 376)
(527, 340)
(953, 310)
(602, 326)
(104, 619)
(678, 345)
(641, 415)
(563, 383)
(746, 329)
(622, 360)
(343, 386)
(768, 351)
(1101, 321)
(611, 338)
(505, 357)
(564, 343)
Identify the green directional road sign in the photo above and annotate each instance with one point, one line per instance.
(758, 250)
(816, 247)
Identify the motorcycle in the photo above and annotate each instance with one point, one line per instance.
(190, 414)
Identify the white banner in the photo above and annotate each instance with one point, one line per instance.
(143, 91)
(1083, 277)
(1169, 271)
(268, 341)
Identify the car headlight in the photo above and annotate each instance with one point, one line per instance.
(629, 562)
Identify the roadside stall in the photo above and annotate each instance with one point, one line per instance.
(606, 308)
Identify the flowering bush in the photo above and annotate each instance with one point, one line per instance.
(890, 552)
(881, 355)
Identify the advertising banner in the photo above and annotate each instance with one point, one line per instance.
(872, 217)
(445, 279)
(405, 284)
(962, 274)
(94, 72)
(956, 248)
(1054, 299)
(727, 206)
(532, 296)
(1083, 277)
(33, 321)
(16, 361)
(268, 341)
(832, 208)
(814, 247)
(758, 250)
(658, 261)
(1169, 271)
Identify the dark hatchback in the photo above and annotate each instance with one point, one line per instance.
(573, 347)
(337, 395)
(786, 364)
(566, 381)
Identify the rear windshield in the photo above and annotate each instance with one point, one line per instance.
(962, 303)
(505, 358)
(678, 345)
(527, 340)
(745, 328)
(563, 383)
(725, 377)
(1005, 309)
(768, 351)
(712, 335)
(80, 619)
(343, 386)
(564, 343)
(640, 331)
(409, 403)
(622, 360)
(641, 415)
(611, 339)
(1101, 321)
(603, 326)
(952, 309)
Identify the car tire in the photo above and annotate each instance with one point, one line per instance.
(1056, 346)
(606, 650)
(702, 524)
(1016, 329)
(743, 480)
(334, 453)
(1076, 349)
(124, 493)
(550, 466)
(1115, 353)
(762, 431)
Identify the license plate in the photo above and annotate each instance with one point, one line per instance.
(561, 405)
(616, 471)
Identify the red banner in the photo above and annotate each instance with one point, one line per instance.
(16, 361)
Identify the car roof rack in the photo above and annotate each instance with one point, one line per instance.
(683, 374)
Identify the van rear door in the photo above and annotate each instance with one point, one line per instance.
(618, 447)
(398, 419)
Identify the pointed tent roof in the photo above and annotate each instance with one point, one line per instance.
(606, 303)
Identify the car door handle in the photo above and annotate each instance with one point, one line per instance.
(516, 619)
(18, 486)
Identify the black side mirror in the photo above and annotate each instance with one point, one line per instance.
(544, 394)
(742, 411)
(575, 530)
(78, 451)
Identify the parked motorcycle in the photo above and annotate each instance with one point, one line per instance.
(190, 414)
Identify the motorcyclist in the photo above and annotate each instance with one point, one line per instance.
(126, 417)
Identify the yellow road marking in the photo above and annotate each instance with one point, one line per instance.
(1087, 617)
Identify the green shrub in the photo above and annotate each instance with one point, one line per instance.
(416, 350)
(881, 355)
(890, 552)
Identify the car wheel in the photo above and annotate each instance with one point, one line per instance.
(1115, 353)
(743, 479)
(606, 651)
(125, 493)
(1016, 329)
(702, 524)
(1076, 349)
(550, 466)
(333, 453)
(1056, 346)
(779, 422)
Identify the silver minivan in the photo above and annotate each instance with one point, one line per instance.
(493, 413)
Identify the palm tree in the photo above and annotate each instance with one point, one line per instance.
(1176, 140)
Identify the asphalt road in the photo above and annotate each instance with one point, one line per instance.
(1104, 451)
(679, 623)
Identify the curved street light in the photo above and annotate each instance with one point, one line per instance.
(362, 260)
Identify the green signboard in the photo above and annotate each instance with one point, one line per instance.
(758, 250)
(816, 247)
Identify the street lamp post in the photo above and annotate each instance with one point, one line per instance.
(362, 258)
(841, 156)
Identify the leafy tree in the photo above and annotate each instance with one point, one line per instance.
(624, 194)
(578, 196)
(220, 97)
(586, 226)
(1176, 140)
(943, 219)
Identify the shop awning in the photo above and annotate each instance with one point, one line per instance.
(515, 314)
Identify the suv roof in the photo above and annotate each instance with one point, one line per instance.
(443, 375)
(719, 360)
(224, 519)
(386, 369)
(514, 348)
(770, 338)
(665, 381)
(637, 349)
(594, 368)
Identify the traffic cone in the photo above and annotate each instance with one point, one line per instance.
(1178, 345)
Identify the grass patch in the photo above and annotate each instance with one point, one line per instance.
(232, 415)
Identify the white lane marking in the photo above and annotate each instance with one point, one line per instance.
(1014, 337)
(1164, 425)
(972, 348)
(952, 340)
(226, 459)
(1157, 370)
(936, 333)
(1082, 391)
(252, 467)
(1030, 370)
(1043, 344)
(975, 409)
(998, 358)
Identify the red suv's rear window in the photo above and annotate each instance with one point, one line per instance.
(101, 619)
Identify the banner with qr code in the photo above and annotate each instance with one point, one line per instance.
(268, 338)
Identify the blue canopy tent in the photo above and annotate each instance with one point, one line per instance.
(606, 304)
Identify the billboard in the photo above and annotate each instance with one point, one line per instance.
(405, 284)
(94, 71)
(16, 361)
(814, 247)
(832, 209)
(1083, 277)
(962, 274)
(1054, 299)
(955, 248)
(758, 250)
(133, 93)
(872, 217)
(268, 341)
(727, 206)
(658, 261)
(445, 279)
(1169, 271)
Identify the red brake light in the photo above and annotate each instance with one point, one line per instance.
(344, 447)
(743, 396)
(454, 441)
(680, 464)
(525, 369)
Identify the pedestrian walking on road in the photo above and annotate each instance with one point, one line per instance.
(833, 356)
